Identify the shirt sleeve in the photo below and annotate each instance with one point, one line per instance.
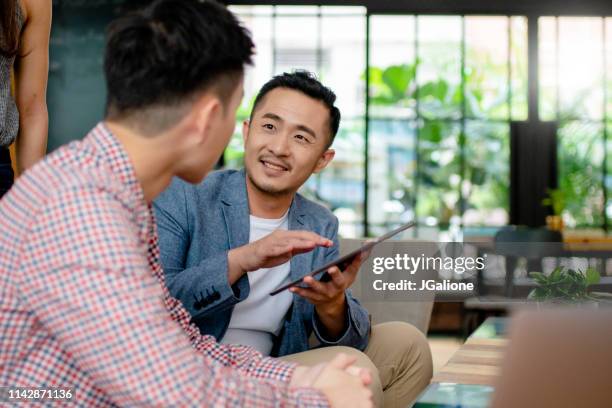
(203, 289)
(86, 278)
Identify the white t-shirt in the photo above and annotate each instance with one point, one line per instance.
(260, 316)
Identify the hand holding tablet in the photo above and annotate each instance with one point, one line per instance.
(343, 262)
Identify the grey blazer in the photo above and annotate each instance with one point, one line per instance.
(199, 224)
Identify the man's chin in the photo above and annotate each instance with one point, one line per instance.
(269, 187)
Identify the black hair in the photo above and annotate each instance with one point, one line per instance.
(307, 83)
(9, 35)
(167, 53)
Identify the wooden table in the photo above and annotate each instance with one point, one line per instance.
(478, 361)
(468, 377)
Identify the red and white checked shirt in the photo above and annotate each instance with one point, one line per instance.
(83, 303)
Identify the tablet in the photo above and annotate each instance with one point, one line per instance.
(343, 262)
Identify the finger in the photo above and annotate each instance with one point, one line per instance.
(336, 276)
(351, 271)
(292, 247)
(309, 236)
(319, 287)
(356, 263)
(308, 294)
(342, 361)
(369, 395)
(362, 373)
(366, 376)
(301, 244)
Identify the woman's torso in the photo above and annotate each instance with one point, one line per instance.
(9, 116)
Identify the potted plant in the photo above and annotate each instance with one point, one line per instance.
(555, 199)
(566, 285)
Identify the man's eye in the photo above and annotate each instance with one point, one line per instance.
(302, 138)
(268, 126)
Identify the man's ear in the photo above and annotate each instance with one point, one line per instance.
(324, 160)
(208, 111)
(245, 130)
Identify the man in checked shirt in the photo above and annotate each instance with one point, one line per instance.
(83, 303)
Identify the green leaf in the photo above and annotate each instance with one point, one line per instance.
(592, 276)
(539, 294)
(398, 78)
(539, 277)
(556, 275)
(437, 90)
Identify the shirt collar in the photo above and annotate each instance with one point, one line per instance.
(112, 152)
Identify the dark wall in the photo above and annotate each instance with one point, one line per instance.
(76, 91)
(533, 170)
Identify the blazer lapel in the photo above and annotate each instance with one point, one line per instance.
(300, 264)
(235, 207)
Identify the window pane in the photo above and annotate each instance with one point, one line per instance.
(547, 60)
(609, 68)
(392, 67)
(609, 174)
(296, 41)
(392, 162)
(486, 184)
(343, 65)
(580, 172)
(439, 70)
(343, 11)
(518, 62)
(571, 60)
(341, 185)
(580, 67)
(486, 67)
(439, 174)
(296, 10)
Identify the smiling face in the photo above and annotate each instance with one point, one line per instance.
(286, 141)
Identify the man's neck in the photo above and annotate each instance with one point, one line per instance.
(265, 205)
(151, 158)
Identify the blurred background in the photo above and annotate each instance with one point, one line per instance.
(443, 105)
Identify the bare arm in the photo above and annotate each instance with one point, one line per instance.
(31, 72)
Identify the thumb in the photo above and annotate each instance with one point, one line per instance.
(342, 361)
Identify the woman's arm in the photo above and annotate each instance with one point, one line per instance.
(31, 72)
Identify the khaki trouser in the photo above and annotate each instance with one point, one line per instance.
(398, 356)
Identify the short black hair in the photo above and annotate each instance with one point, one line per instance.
(307, 83)
(168, 52)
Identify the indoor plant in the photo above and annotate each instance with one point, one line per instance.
(566, 285)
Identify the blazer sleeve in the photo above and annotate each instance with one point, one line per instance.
(203, 289)
(358, 323)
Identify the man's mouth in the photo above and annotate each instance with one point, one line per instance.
(274, 166)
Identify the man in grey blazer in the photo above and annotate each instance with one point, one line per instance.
(227, 242)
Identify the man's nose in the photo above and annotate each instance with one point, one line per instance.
(280, 145)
